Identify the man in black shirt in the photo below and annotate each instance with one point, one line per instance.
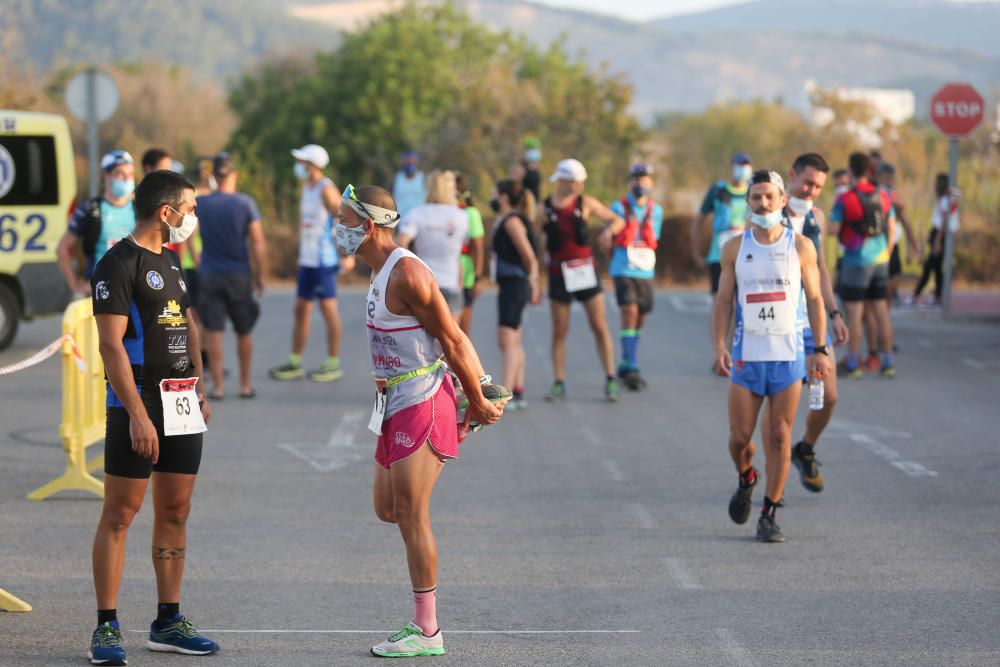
(156, 411)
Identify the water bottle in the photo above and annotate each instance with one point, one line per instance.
(816, 393)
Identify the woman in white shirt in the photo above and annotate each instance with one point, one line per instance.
(436, 232)
(945, 211)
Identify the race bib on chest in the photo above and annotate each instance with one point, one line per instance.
(641, 258)
(768, 314)
(378, 411)
(181, 412)
(579, 274)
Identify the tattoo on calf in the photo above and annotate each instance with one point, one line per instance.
(168, 553)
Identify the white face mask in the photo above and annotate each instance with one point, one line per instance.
(742, 172)
(800, 207)
(841, 189)
(185, 230)
(349, 239)
(766, 220)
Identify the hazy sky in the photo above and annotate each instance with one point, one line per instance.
(647, 9)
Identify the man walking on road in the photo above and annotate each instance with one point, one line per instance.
(573, 271)
(766, 271)
(633, 266)
(230, 284)
(319, 264)
(152, 358)
(415, 414)
(864, 221)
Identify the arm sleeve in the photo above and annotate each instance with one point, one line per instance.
(708, 203)
(111, 286)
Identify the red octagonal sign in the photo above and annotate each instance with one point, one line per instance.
(957, 109)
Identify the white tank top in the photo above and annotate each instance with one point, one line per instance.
(768, 300)
(316, 244)
(400, 344)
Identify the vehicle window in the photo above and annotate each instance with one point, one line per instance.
(28, 171)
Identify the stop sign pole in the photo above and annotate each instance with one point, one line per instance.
(957, 110)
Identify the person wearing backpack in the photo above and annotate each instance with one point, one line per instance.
(633, 265)
(101, 222)
(864, 221)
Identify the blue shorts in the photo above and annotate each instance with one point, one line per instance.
(317, 282)
(768, 378)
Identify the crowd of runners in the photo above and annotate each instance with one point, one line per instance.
(169, 258)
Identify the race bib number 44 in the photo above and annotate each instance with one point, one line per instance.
(768, 314)
(181, 411)
(579, 274)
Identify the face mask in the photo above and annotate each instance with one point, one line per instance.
(742, 172)
(766, 220)
(533, 154)
(301, 171)
(639, 192)
(122, 187)
(800, 207)
(185, 230)
(349, 239)
(495, 205)
(841, 189)
(410, 169)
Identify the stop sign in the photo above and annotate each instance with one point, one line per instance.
(957, 109)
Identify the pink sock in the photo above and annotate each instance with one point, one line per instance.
(425, 611)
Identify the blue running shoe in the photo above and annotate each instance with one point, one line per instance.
(106, 645)
(179, 636)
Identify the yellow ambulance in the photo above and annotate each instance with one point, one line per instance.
(37, 196)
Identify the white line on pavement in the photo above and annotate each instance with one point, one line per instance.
(681, 574)
(911, 468)
(739, 655)
(974, 363)
(644, 516)
(691, 303)
(339, 450)
(382, 632)
(614, 472)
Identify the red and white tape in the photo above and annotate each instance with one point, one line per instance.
(46, 352)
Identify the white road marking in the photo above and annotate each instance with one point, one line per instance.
(340, 450)
(847, 428)
(643, 516)
(911, 468)
(614, 472)
(739, 655)
(691, 303)
(214, 631)
(975, 363)
(681, 574)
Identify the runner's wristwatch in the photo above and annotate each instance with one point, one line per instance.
(834, 313)
(821, 349)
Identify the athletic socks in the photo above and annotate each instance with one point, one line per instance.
(295, 359)
(106, 616)
(770, 507)
(332, 362)
(748, 477)
(630, 348)
(886, 359)
(166, 612)
(425, 611)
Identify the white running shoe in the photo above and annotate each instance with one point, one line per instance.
(410, 642)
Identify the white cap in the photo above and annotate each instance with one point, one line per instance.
(312, 154)
(772, 177)
(569, 170)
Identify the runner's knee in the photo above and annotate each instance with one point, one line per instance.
(174, 512)
(119, 518)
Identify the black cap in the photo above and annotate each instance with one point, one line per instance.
(222, 165)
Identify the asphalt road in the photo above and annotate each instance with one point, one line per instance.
(584, 533)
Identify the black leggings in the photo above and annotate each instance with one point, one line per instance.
(933, 263)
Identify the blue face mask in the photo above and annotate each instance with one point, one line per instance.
(742, 172)
(767, 220)
(121, 187)
(410, 169)
(301, 172)
(533, 154)
(639, 192)
(349, 239)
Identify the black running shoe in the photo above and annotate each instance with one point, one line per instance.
(742, 501)
(632, 379)
(805, 462)
(768, 530)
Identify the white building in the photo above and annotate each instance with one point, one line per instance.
(894, 106)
